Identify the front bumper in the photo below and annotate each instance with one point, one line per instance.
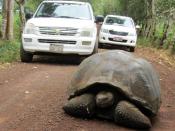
(36, 43)
(106, 38)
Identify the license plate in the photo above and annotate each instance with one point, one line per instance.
(56, 48)
(117, 39)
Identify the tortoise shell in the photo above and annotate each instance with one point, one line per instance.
(132, 76)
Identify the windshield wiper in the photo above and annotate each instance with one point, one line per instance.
(44, 15)
(67, 17)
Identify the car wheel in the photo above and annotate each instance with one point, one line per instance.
(100, 45)
(25, 56)
(131, 49)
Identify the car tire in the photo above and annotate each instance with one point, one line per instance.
(95, 48)
(25, 56)
(100, 45)
(131, 49)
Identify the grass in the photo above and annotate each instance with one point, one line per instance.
(144, 42)
(17, 27)
(165, 54)
(9, 51)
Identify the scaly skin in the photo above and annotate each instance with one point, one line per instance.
(129, 115)
(81, 106)
(104, 99)
(102, 105)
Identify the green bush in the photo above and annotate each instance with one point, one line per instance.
(141, 41)
(33, 4)
(166, 45)
(159, 30)
(173, 49)
(17, 27)
(9, 51)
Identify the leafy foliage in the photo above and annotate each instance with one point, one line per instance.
(164, 5)
(134, 8)
(33, 4)
(160, 11)
(9, 51)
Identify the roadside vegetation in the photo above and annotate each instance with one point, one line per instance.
(9, 48)
(9, 51)
(156, 18)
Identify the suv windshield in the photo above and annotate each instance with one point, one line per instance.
(64, 10)
(119, 21)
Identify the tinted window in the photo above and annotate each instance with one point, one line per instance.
(64, 10)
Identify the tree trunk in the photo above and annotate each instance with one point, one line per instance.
(4, 20)
(152, 28)
(22, 13)
(126, 2)
(7, 20)
(10, 20)
(150, 24)
(166, 26)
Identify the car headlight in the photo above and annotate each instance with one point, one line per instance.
(105, 30)
(30, 29)
(132, 34)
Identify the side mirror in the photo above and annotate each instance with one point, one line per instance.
(99, 19)
(138, 27)
(28, 15)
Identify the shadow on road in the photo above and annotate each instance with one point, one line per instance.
(113, 47)
(60, 60)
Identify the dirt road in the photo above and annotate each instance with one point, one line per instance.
(32, 96)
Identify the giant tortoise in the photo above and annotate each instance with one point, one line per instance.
(115, 85)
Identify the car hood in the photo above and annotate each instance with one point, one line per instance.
(119, 28)
(61, 22)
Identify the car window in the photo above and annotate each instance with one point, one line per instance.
(64, 10)
(126, 22)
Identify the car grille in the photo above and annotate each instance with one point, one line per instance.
(124, 41)
(56, 41)
(118, 33)
(63, 31)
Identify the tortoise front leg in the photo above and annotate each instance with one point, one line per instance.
(129, 115)
(81, 106)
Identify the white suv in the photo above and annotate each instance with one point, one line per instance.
(118, 30)
(62, 27)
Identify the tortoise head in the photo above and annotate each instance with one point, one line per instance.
(104, 99)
